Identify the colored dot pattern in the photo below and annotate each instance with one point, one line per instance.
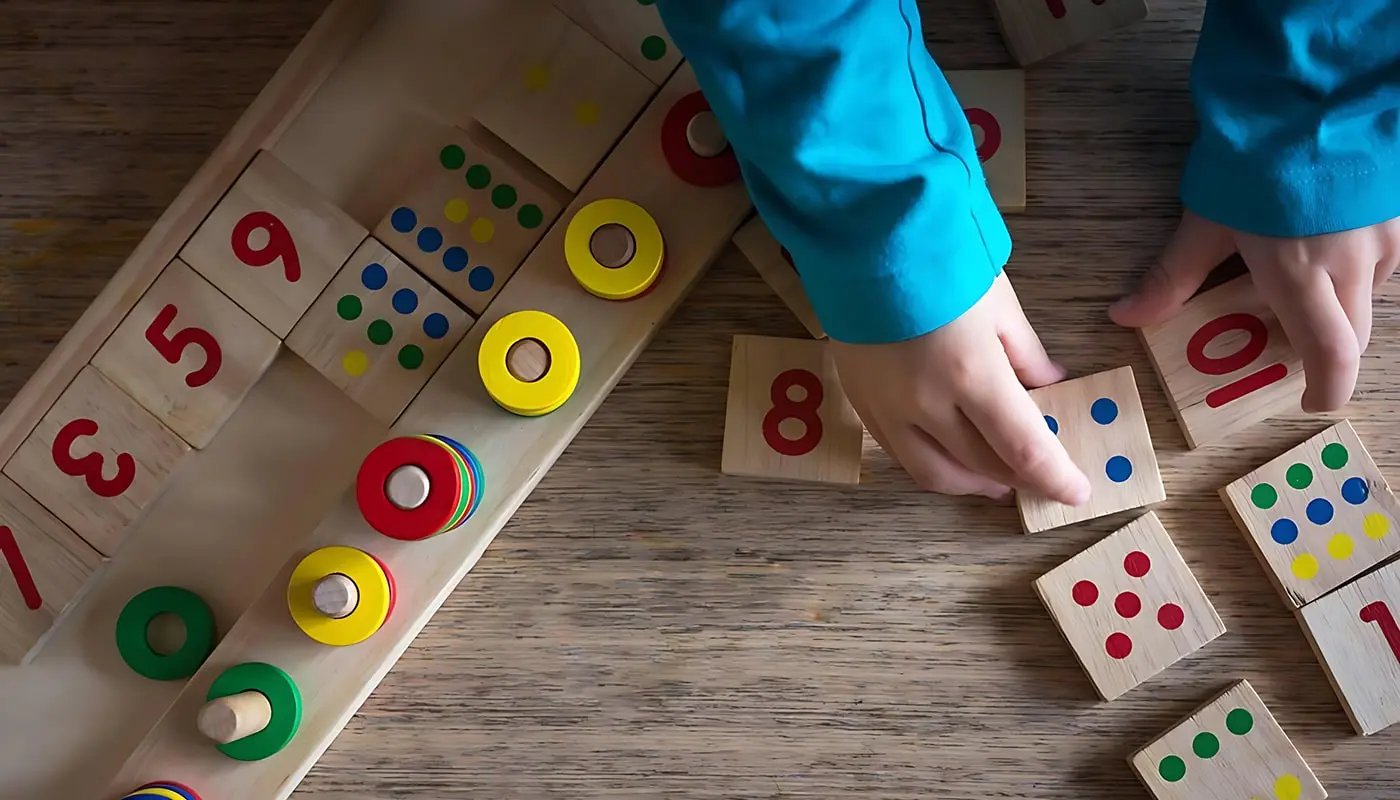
(653, 48)
(1103, 411)
(1284, 531)
(1053, 423)
(1206, 745)
(405, 301)
(1127, 604)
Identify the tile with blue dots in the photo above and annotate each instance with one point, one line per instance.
(379, 331)
(1099, 421)
(470, 217)
(1318, 515)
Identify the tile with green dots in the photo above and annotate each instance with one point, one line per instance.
(630, 28)
(379, 331)
(1231, 748)
(1318, 515)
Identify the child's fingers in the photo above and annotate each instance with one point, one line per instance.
(1027, 355)
(935, 470)
(1197, 248)
(1318, 328)
(1353, 289)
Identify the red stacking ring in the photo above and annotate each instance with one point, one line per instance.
(444, 494)
(688, 165)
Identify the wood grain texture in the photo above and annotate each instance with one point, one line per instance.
(994, 101)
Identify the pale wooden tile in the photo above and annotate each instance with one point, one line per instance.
(272, 243)
(630, 29)
(774, 265)
(812, 434)
(1129, 606)
(1224, 362)
(1099, 420)
(96, 460)
(1231, 748)
(995, 104)
(1037, 29)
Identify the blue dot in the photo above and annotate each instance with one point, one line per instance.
(1284, 531)
(435, 325)
(403, 219)
(429, 240)
(1104, 411)
(1320, 511)
(1119, 469)
(1355, 491)
(481, 279)
(454, 259)
(405, 301)
(374, 276)
(1054, 425)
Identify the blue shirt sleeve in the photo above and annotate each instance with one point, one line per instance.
(856, 153)
(1298, 107)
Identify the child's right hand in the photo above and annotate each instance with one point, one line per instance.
(951, 406)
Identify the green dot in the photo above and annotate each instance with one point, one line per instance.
(349, 307)
(503, 196)
(1172, 769)
(452, 157)
(530, 216)
(653, 48)
(1239, 721)
(1264, 496)
(645, 2)
(411, 356)
(1299, 476)
(478, 176)
(380, 332)
(1205, 745)
(1334, 456)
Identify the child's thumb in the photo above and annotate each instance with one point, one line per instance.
(1197, 248)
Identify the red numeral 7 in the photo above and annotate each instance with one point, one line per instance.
(172, 347)
(9, 548)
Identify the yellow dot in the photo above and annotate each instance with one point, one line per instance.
(1305, 566)
(536, 78)
(1340, 546)
(482, 230)
(456, 210)
(586, 113)
(1288, 787)
(355, 363)
(1376, 526)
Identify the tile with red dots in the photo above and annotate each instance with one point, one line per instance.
(379, 331)
(774, 265)
(1129, 606)
(1231, 748)
(1099, 420)
(1224, 362)
(787, 417)
(995, 104)
(470, 217)
(632, 29)
(563, 99)
(1037, 29)
(1318, 515)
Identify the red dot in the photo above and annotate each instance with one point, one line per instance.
(1085, 593)
(1119, 645)
(1127, 605)
(1137, 563)
(1170, 616)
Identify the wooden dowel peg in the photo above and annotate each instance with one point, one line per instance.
(228, 719)
(336, 596)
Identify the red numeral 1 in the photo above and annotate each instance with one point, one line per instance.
(172, 347)
(991, 131)
(279, 244)
(1379, 613)
(1224, 365)
(90, 465)
(9, 548)
(804, 410)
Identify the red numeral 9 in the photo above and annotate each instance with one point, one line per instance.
(1224, 365)
(991, 131)
(171, 348)
(9, 548)
(1379, 613)
(90, 465)
(279, 244)
(804, 410)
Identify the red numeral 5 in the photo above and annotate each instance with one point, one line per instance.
(9, 548)
(279, 244)
(172, 347)
(90, 465)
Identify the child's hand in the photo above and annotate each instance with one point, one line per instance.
(950, 406)
(1320, 288)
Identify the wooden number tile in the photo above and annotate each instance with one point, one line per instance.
(469, 218)
(563, 99)
(272, 243)
(1230, 748)
(995, 104)
(96, 459)
(1037, 29)
(379, 331)
(187, 353)
(43, 565)
(774, 264)
(1099, 420)
(787, 416)
(1129, 606)
(633, 30)
(1225, 362)
(1318, 515)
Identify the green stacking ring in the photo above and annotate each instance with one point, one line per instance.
(281, 693)
(134, 644)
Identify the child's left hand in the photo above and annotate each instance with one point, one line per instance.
(1319, 287)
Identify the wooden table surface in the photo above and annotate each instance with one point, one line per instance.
(646, 627)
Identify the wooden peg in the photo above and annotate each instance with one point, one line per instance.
(408, 487)
(705, 136)
(336, 596)
(228, 719)
(528, 360)
(612, 245)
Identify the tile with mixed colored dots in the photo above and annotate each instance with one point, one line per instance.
(1099, 420)
(1230, 748)
(379, 331)
(1318, 515)
(632, 29)
(1129, 606)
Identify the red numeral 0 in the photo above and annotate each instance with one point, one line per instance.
(804, 410)
(279, 244)
(9, 548)
(171, 348)
(991, 131)
(1379, 613)
(90, 465)
(1258, 340)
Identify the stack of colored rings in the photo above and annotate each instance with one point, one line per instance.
(282, 695)
(455, 485)
(164, 790)
(374, 595)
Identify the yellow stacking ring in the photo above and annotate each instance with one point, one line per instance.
(630, 279)
(155, 791)
(529, 398)
(375, 595)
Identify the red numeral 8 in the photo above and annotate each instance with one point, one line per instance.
(279, 244)
(804, 410)
(90, 465)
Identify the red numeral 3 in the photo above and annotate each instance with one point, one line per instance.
(1224, 365)
(90, 465)
(279, 244)
(172, 347)
(9, 548)
(991, 131)
(804, 410)
(1379, 613)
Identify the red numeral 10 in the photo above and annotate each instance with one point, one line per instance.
(90, 465)
(172, 347)
(991, 131)
(9, 548)
(804, 410)
(1057, 7)
(279, 244)
(1224, 365)
(1379, 613)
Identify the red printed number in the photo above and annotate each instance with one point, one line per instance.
(172, 347)
(804, 411)
(90, 465)
(279, 244)
(991, 131)
(1057, 7)
(9, 548)
(1238, 360)
(1379, 613)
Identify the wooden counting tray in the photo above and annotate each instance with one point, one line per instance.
(364, 94)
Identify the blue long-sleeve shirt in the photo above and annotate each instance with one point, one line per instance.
(861, 162)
